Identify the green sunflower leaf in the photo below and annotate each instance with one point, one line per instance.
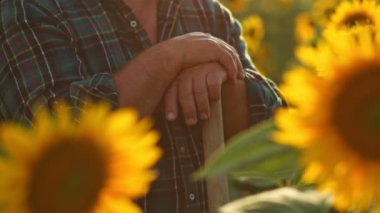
(254, 157)
(282, 200)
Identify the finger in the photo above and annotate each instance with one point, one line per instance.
(214, 86)
(186, 100)
(213, 50)
(201, 94)
(241, 73)
(171, 102)
(219, 51)
(230, 58)
(233, 75)
(236, 58)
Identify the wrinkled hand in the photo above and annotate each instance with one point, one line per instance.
(193, 90)
(193, 49)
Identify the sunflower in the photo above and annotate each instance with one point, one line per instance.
(322, 10)
(98, 164)
(351, 13)
(312, 56)
(305, 29)
(336, 119)
(319, 56)
(253, 33)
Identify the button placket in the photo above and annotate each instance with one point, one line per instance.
(192, 196)
(133, 23)
(182, 149)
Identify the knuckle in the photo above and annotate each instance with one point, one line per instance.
(199, 33)
(181, 79)
(212, 40)
(205, 34)
(213, 83)
(214, 66)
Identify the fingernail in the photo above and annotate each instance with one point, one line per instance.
(204, 116)
(191, 121)
(170, 116)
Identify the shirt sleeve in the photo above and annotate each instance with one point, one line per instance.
(39, 64)
(263, 95)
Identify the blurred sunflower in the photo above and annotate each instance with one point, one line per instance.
(61, 166)
(351, 13)
(322, 10)
(320, 56)
(236, 6)
(305, 29)
(336, 120)
(311, 55)
(253, 33)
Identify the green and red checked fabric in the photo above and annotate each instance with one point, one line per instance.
(69, 49)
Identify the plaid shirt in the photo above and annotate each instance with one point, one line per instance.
(69, 49)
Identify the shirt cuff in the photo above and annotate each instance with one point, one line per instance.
(263, 97)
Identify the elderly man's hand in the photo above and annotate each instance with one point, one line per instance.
(193, 49)
(193, 90)
(167, 62)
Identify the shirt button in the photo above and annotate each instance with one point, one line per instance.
(133, 23)
(182, 149)
(192, 196)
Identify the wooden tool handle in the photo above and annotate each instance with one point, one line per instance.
(213, 139)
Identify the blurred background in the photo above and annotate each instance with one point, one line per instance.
(273, 28)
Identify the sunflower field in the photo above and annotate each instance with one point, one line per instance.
(320, 154)
(60, 165)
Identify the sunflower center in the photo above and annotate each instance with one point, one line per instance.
(357, 18)
(356, 113)
(251, 32)
(67, 178)
(372, 116)
(329, 11)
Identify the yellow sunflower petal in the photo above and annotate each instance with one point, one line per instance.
(289, 133)
(93, 118)
(64, 117)
(313, 172)
(336, 123)
(116, 205)
(44, 127)
(137, 183)
(356, 12)
(78, 165)
(305, 29)
(253, 33)
(16, 142)
(322, 10)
